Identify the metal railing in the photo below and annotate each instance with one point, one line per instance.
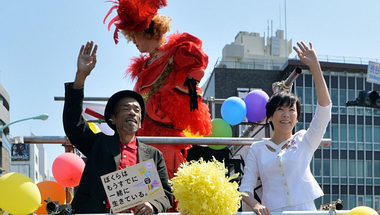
(272, 64)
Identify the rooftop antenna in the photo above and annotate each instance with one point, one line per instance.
(279, 10)
(286, 36)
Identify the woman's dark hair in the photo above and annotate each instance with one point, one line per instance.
(283, 98)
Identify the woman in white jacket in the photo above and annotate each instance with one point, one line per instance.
(283, 162)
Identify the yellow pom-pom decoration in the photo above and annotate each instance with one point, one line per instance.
(202, 188)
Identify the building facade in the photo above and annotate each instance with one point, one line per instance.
(5, 147)
(349, 169)
(29, 159)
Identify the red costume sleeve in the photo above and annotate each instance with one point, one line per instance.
(190, 57)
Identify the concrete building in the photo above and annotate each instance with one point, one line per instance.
(5, 146)
(30, 160)
(349, 168)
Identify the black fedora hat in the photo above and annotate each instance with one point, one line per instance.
(115, 98)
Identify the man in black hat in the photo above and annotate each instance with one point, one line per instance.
(124, 113)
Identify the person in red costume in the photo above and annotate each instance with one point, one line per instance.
(167, 76)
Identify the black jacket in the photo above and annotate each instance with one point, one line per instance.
(103, 156)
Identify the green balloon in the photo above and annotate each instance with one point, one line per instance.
(220, 128)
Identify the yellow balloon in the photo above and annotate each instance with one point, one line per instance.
(94, 128)
(19, 194)
(363, 210)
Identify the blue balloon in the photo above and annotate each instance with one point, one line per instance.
(234, 110)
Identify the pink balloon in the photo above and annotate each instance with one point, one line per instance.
(67, 169)
(256, 100)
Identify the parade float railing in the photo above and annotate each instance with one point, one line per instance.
(203, 141)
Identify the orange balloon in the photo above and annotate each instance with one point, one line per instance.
(52, 190)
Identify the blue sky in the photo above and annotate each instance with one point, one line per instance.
(40, 41)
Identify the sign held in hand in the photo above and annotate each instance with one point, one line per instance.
(132, 186)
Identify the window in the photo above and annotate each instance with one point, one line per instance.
(368, 133)
(326, 167)
(317, 167)
(335, 167)
(376, 136)
(334, 132)
(351, 133)
(351, 95)
(368, 172)
(299, 93)
(360, 168)
(351, 83)
(352, 168)
(376, 204)
(352, 201)
(360, 131)
(343, 167)
(376, 164)
(334, 96)
(343, 132)
(368, 201)
(359, 82)
(308, 97)
(360, 200)
(334, 82)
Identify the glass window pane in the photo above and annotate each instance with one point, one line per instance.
(326, 167)
(352, 168)
(343, 132)
(360, 168)
(344, 201)
(376, 165)
(376, 204)
(352, 201)
(317, 167)
(308, 109)
(335, 167)
(368, 201)
(299, 93)
(368, 133)
(351, 95)
(334, 132)
(343, 167)
(334, 96)
(343, 145)
(342, 97)
(376, 135)
(368, 169)
(360, 132)
(360, 200)
(351, 133)
(308, 96)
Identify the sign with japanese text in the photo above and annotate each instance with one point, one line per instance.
(373, 72)
(132, 186)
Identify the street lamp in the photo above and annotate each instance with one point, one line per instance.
(41, 117)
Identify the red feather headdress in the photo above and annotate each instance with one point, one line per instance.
(133, 15)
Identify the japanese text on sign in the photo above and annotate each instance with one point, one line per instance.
(373, 72)
(132, 186)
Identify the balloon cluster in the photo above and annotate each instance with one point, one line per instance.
(20, 195)
(234, 110)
